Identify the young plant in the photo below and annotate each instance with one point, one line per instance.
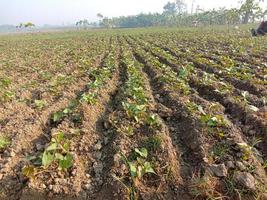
(204, 187)
(5, 82)
(58, 151)
(139, 166)
(39, 104)
(4, 142)
(152, 120)
(134, 111)
(60, 115)
(89, 98)
(213, 121)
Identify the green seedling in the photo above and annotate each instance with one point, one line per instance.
(194, 107)
(5, 82)
(89, 98)
(60, 115)
(139, 166)
(46, 75)
(4, 142)
(95, 84)
(152, 120)
(57, 152)
(213, 121)
(39, 104)
(7, 95)
(134, 111)
(246, 150)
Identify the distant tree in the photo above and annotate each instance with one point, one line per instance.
(181, 7)
(108, 23)
(232, 16)
(170, 9)
(29, 25)
(21, 25)
(248, 9)
(79, 23)
(257, 14)
(83, 23)
(264, 13)
(26, 25)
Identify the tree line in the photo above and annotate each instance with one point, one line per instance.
(176, 14)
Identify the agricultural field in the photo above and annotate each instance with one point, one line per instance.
(133, 114)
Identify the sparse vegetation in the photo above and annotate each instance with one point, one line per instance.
(142, 114)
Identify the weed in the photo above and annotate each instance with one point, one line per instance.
(205, 187)
(153, 143)
(220, 150)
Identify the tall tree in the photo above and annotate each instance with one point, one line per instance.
(82, 23)
(248, 9)
(181, 7)
(170, 9)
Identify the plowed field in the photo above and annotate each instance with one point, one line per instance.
(133, 114)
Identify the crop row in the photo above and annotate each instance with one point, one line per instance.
(145, 158)
(240, 76)
(47, 146)
(214, 139)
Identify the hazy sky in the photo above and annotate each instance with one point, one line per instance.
(69, 11)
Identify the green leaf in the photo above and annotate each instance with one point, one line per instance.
(148, 168)
(39, 103)
(66, 162)
(66, 146)
(4, 142)
(47, 158)
(143, 152)
(133, 170)
(212, 122)
(52, 147)
(182, 73)
(59, 156)
(67, 111)
(57, 116)
(60, 136)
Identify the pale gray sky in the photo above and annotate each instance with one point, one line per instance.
(69, 11)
